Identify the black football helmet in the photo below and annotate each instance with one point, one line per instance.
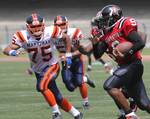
(108, 16)
(35, 25)
(95, 22)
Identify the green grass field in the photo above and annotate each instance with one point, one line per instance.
(19, 99)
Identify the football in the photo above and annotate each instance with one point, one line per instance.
(124, 47)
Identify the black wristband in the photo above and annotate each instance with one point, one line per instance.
(129, 53)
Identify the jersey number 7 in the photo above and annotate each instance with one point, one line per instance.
(46, 54)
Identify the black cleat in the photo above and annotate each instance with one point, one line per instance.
(121, 117)
(133, 105)
(90, 82)
(89, 68)
(56, 116)
(86, 106)
(79, 116)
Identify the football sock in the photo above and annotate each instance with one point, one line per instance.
(84, 78)
(83, 91)
(73, 111)
(85, 100)
(49, 97)
(65, 105)
(55, 109)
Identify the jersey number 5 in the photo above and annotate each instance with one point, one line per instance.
(46, 54)
(133, 22)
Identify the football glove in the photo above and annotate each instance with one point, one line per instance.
(13, 53)
(68, 61)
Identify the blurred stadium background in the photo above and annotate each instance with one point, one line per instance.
(14, 12)
(18, 97)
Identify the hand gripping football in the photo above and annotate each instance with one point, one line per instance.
(124, 47)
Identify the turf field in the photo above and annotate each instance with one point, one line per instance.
(19, 99)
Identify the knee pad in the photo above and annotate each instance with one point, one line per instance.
(70, 87)
(67, 79)
(111, 82)
(58, 98)
(120, 71)
(107, 84)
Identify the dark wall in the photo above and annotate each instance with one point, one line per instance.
(70, 3)
(18, 9)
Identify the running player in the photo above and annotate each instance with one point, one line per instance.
(37, 40)
(73, 75)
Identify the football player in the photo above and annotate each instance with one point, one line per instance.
(97, 32)
(37, 40)
(73, 75)
(117, 29)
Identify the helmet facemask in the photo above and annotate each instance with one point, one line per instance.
(35, 25)
(62, 22)
(108, 16)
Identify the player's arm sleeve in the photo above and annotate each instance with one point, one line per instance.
(99, 49)
(130, 32)
(86, 48)
(143, 36)
(136, 39)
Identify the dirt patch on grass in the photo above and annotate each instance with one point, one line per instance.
(14, 59)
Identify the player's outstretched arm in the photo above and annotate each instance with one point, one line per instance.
(67, 42)
(11, 50)
(85, 49)
(68, 55)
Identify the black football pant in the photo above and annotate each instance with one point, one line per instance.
(130, 77)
